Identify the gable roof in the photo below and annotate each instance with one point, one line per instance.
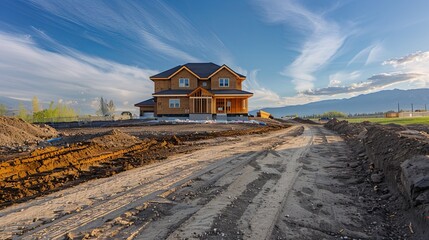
(201, 70)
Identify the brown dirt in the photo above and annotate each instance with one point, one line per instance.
(97, 155)
(392, 156)
(305, 121)
(15, 132)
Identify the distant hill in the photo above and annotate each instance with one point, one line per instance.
(381, 101)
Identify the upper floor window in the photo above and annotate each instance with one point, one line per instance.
(223, 82)
(183, 82)
(174, 103)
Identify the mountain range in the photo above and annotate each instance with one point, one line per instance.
(382, 101)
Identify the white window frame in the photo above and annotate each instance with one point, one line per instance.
(223, 82)
(183, 82)
(174, 103)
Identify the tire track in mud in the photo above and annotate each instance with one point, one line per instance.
(96, 215)
(323, 204)
(240, 202)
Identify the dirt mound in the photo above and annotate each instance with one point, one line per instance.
(305, 121)
(115, 139)
(345, 128)
(15, 131)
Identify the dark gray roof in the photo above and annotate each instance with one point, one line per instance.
(203, 70)
(229, 91)
(149, 102)
(173, 92)
(167, 73)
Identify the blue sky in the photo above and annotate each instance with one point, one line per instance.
(292, 52)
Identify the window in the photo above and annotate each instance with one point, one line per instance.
(174, 103)
(204, 84)
(223, 82)
(183, 82)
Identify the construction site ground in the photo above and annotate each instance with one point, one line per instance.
(202, 181)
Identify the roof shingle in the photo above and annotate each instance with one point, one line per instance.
(203, 70)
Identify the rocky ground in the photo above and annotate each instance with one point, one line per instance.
(216, 181)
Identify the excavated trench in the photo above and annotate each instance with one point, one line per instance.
(397, 156)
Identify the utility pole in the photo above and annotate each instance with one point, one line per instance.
(398, 107)
(425, 108)
(412, 109)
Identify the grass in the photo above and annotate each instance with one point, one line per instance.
(400, 121)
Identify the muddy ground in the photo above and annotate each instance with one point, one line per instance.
(81, 154)
(214, 182)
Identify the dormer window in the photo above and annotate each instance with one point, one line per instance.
(183, 82)
(223, 82)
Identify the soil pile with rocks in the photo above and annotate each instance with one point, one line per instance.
(115, 139)
(398, 158)
(16, 132)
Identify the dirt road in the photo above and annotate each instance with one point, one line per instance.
(292, 183)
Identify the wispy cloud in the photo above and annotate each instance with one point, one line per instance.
(341, 78)
(79, 79)
(146, 27)
(368, 55)
(375, 82)
(323, 38)
(264, 97)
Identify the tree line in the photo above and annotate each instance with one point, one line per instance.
(56, 112)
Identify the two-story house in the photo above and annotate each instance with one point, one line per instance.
(198, 91)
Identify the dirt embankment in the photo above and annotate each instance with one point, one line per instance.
(397, 156)
(51, 168)
(15, 132)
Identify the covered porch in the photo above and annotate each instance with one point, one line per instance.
(201, 101)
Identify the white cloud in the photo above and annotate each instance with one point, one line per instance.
(418, 59)
(411, 71)
(341, 78)
(264, 97)
(28, 70)
(324, 38)
(375, 82)
(375, 53)
(145, 27)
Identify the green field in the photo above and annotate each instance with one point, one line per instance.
(401, 121)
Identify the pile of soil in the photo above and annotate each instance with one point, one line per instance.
(15, 132)
(398, 158)
(304, 121)
(115, 139)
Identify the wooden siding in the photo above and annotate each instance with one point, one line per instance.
(234, 83)
(161, 85)
(162, 106)
(193, 81)
(200, 84)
